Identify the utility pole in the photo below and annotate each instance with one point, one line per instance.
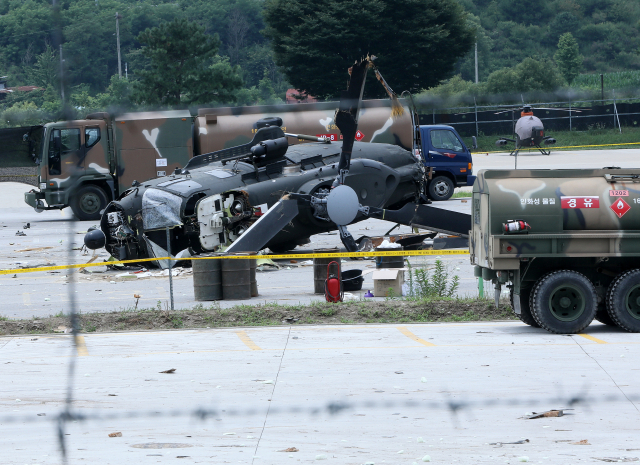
(61, 76)
(118, 18)
(476, 62)
(126, 72)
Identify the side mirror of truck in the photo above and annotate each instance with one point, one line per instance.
(475, 143)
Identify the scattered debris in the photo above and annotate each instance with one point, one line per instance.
(269, 381)
(42, 414)
(426, 458)
(20, 233)
(137, 297)
(547, 414)
(399, 372)
(617, 459)
(115, 435)
(290, 449)
(584, 442)
(321, 457)
(290, 320)
(420, 440)
(524, 458)
(113, 395)
(171, 370)
(500, 444)
(27, 226)
(34, 249)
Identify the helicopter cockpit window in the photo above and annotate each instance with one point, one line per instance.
(444, 139)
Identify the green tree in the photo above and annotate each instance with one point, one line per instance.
(46, 70)
(183, 67)
(417, 42)
(568, 57)
(528, 76)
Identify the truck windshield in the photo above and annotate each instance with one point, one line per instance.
(444, 139)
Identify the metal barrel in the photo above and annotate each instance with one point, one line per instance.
(207, 279)
(236, 279)
(390, 262)
(253, 264)
(320, 269)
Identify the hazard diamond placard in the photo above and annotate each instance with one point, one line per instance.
(359, 135)
(620, 207)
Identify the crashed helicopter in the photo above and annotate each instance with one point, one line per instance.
(268, 194)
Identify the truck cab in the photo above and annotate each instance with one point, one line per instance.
(74, 157)
(446, 158)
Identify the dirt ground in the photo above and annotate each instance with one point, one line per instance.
(389, 311)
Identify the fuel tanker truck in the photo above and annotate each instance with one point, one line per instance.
(565, 242)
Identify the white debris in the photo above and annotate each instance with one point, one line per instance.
(321, 457)
(426, 458)
(388, 245)
(46, 299)
(123, 274)
(269, 381)
(524, 458)
(423, 379)
(421, 440)
(349, 296)
(228, 434)
(218, 387)
(112, 282)
(18, 400)
(400, 452)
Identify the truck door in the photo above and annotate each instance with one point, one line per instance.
(65, 154)
(448, 153)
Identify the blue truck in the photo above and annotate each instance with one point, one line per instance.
(446, 158)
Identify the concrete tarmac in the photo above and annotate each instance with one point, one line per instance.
(266, 383)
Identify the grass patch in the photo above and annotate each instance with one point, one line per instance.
(594, 136)
(461, 194)
(398, 310)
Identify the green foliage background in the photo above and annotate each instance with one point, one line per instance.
(517, 47)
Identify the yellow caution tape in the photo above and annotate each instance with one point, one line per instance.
(400, 253)
(563, 147)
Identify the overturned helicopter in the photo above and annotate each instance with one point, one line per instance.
(267, 194)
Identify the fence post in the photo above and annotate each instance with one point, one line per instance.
(570, 125)
(170, 267)
(475, 104)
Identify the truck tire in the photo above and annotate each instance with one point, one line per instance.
(87, 202)
(525, 307)
(564, 302)
(602, 314)
(440, 188)
(623, 303)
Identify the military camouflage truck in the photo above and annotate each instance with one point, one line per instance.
(565, 242)
(87, 163)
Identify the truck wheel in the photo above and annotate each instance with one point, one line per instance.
(525, 308)
(564, 302)
(88, 202)
(623, 303)
(441, 188)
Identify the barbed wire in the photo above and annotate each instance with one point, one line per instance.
(331, 408)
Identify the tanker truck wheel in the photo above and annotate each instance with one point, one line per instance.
(88, 202)
(564, 302)
(623, 303)
(525, 308)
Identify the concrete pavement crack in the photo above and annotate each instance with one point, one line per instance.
(272, 392)
(607, 373)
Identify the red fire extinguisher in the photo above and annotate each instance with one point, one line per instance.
(333, 284)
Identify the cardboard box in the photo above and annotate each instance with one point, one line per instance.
(388, 278)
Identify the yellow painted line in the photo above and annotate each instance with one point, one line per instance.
(81, 346)
(403, 253)
(410, 335)
(244, 337)
(594, 339)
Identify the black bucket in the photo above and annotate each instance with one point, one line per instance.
(390, 262)
(352, 280)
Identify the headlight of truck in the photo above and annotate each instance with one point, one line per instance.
(43, 186)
